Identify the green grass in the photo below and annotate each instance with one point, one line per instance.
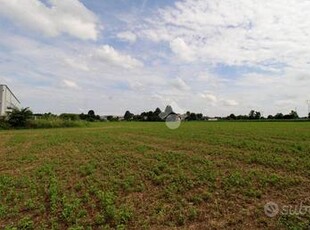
(204, 175)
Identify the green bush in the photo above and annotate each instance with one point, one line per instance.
(17, 120)
(19, 117)
(4, 125)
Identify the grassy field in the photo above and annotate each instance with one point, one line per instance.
(203, 175)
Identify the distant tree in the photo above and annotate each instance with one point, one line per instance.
(270, 117)
(91, 113)
(113, 118)
(157, 114)
(110, 118)
(49, 115)
(69, 116)
(143, 116)
(191, 116)
(309, 115)
(83, 116)
(293, 114)
(137, 118)
(199, 116)
(242, 117)
(279, 116)
(128, 116)
(257, 115)
(44, 115)
(252, 114)
(232, 117)
(91, 116)
(151, 116)
(19, 117)
(157, 111)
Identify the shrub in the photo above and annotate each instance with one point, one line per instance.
(19, 117)
(4, 125)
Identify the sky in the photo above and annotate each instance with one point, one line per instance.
(216, 57)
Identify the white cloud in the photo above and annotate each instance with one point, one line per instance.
(61, 17)
(182, 50)
(70, 84)
(211, 80)
(78, 64)
(136, 85)
(179, 84)
(108, 54)
(230, 102)
(244, 32)
(209, 97)
(127, 36)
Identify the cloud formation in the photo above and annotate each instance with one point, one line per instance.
(179, 84)
(58, 17)
(243, 32)
(215, 57)
(127, 36)
(70, 84)
(108, 54)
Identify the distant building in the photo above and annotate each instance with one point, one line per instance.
(213, 119)
(7, 100)
(112, 118)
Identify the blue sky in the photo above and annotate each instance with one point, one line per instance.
(215, 57)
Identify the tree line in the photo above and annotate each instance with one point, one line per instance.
(256, 115)
(191, 116)
(155, 115)
(20, 117)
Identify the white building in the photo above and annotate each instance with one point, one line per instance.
(7, 100)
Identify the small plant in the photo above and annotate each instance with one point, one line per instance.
(180, 218)
(2, 211)
(197, 199)
(253, 193)
(124, 214)
(53, 193)
(107, 201)
(30, 204)
(69, 209)
(236, 179)
(193, 213)
(26, 224)
(87, 169)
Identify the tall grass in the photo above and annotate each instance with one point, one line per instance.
(55, 122)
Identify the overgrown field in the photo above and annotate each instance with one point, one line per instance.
(203, 175)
